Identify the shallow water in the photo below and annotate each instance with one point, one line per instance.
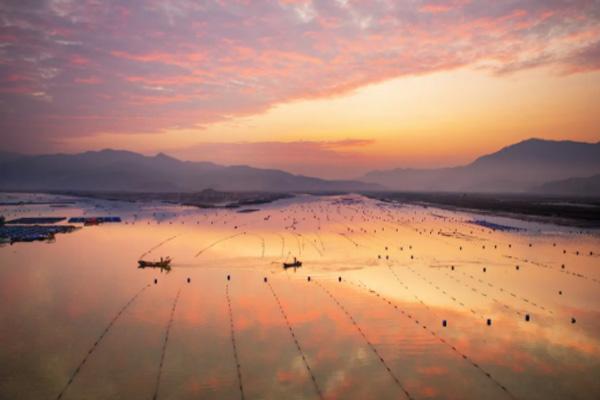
(378, 333)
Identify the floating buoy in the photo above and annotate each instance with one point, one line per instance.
(529, 244)
(265, 279)
(489, 321)
(339, 278)
(553, 244)
(560, 292)
(509, 245)
(387, 257)
(308, 278)
(484, 269)
(573, 320)
(189, 280)
(527, 317)
(564, 252)
(563, 266)
(460, 248)
(379, 256)
(228, 277)
(444, 323)
(452, 267)
(155, 281)
(412, 257)
(517, 267)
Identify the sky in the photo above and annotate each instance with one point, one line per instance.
(325, 88)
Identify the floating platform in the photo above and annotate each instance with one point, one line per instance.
(36, 220)
(494, 226)
(24, 233)
(94, 220)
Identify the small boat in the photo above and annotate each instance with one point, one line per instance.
(294, 264)
(162, 263)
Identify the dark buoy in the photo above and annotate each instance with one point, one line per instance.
(564, 252)
(228, 277)
(460, 248)
(308, 278)
(489, 321)
(563, 266)
(189, 280)
(509, 245)
(527, 317)
(484, 269)
(529, 244)
(517, 267)
(573, 320)
(339, 278)
(560, 292)
(155, 281)
(379, 256)
(444, 323)
(265, 279)
(452, 267)
(387, 257)
(412, 257)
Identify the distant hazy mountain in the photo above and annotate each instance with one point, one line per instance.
(112, 170)
(521, 167)
(589, 186)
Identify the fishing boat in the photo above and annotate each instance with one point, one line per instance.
(162, 263)
(295, 264)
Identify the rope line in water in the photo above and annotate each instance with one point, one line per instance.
(238, 367)
(164, 346)
(217, 242)
(441, 339)
(97, 342)
(157, 246)
(482, 293)
(443, 291)
(522, 298)
(364, 336)
(262, 241)
(318, 250)
(564, 271)
(291, 330)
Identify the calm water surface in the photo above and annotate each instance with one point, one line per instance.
(79, 320)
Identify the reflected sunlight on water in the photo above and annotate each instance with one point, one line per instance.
(362, 318)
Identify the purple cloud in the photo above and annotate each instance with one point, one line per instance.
(71, 68)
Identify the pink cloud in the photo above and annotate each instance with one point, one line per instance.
(144, 66)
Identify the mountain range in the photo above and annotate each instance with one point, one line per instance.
(530, 166)
(116, 170)
(525, 167)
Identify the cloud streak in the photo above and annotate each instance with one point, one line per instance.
(330, 159)
(72, 68)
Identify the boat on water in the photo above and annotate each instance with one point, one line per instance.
(163, 263)
(295, 264)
